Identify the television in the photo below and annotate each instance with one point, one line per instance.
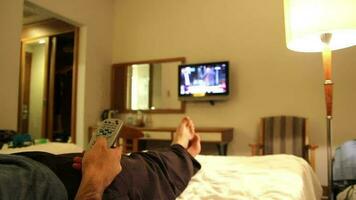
(203, 81)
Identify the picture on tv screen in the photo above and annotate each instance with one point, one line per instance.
(207, 79)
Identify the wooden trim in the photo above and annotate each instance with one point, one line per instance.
(255, 149)
(262, 135)
(325, 192)
(311, 154)
(310, 148)
(118, 87)
(74, 86)
(153, 61)
(45, 91)
(258, 147)
(226, 132)
(21, 92)
(51, 81)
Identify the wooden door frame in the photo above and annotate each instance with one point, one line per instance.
(50, 87)
(74, 85)
(22, 90)
(53, 27)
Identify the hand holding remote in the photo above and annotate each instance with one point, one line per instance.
(100, 165)
(109, 129)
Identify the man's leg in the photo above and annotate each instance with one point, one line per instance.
(159, 175)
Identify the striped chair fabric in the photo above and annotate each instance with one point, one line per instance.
(284, 134)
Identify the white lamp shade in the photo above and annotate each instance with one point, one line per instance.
(306, 20)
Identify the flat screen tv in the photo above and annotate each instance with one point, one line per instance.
(203, 81)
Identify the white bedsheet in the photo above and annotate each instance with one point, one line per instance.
(52, 147)
(277, 177)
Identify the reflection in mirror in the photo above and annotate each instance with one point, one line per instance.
(150, 86)
(138, 82)
(33, 86)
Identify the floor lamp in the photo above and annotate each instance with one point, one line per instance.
(321, 26)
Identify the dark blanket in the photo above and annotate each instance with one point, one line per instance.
(150, 175)
(23, 178)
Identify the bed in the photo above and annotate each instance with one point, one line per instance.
(284, 177)
(279, 177)
(52, 147)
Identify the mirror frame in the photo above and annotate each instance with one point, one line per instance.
(119, 86)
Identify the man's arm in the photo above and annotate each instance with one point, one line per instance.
(100, 165)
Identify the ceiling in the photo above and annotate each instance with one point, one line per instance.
(33, 13)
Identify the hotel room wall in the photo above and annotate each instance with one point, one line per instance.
(11, 21)
(266, 77)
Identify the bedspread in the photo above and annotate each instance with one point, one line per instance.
(278, 177)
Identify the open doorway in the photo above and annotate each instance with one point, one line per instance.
(48, 76)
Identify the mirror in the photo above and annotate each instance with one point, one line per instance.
(32, 113)
(149, 86)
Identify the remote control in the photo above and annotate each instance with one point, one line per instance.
(108, 128)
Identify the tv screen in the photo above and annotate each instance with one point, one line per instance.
(204, 81)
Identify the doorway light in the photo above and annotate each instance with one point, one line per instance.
(41, 41)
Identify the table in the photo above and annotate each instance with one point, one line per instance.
(221, 136)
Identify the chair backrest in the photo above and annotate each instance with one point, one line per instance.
(284, 134)
(130, 136)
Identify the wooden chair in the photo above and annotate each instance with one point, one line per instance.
(130, 136)
(284, 135)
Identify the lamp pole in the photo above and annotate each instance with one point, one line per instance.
(328, 90)
(309, 27)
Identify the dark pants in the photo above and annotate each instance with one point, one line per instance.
(145, 175)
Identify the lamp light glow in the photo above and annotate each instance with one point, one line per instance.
(306, 20)
(321, 26)
(42, 41)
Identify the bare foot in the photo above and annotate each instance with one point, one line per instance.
(194, 147)
(185, 135)
(184, 132)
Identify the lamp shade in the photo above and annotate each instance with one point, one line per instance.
(306, 20)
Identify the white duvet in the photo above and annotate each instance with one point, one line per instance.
(277, 177)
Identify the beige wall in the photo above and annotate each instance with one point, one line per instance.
(10, 22)
(266, 77)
